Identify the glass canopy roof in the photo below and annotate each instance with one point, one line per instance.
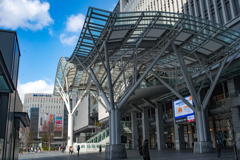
(138, 37)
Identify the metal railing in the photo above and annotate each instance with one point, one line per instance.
(97, 138)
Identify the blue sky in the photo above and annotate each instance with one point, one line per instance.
(46, 30)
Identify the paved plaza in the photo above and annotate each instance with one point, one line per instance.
(169, 154)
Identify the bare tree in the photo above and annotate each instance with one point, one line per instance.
(47, 134)
(26, 136)
(226, 124)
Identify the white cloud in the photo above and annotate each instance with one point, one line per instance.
(26, 14)
(50, 31)
(75, 23)
(39, 86)
(68, 40)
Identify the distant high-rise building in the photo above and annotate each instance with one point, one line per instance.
(47, 103)
(45, 111)
(225, 12)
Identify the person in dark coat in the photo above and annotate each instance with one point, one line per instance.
(145, 150)
(78, 149)
(218, 147)
(100, 148)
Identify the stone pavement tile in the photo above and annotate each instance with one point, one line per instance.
(169, 154)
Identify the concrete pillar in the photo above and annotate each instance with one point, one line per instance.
(134, 130)
(190, 8)
(225, 19)
(179, 137)
(217, 17)
(145, 124)
(236, 126)
(231, 88)
(212, 131)
(202, 8)
(160, 127)
(185, 131)
(209, 11)
(235, 112)
(232, 8)
(173, 135)
(195, 9)
(190, 135)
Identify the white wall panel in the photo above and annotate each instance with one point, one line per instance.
(82, 116)
(101, 111)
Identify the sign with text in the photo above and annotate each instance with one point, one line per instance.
(183, 113)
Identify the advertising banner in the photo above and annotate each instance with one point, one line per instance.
(51, 121)
(183, 113)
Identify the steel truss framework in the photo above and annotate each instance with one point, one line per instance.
(117, 51)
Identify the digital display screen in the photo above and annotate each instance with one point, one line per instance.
(183, 113)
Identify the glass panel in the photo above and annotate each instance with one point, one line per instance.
(1, 147)
(3, 84)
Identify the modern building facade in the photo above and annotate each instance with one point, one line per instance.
(173, 76)
(45, 111)
(224, 12)
(11, 115)
(47, 103)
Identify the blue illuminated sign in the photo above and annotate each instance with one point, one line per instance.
(41, 95)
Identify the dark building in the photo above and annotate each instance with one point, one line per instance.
(11, 116)
(34, 114)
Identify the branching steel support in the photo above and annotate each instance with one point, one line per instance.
(187, 78)
(114, 124)
(94, 79)
(125, 98)
(193, 94)
(209, 93)
(97, 49)
(174, 91)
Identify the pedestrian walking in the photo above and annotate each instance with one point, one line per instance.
(145, 150)
(28, 150)
(218, 147)
(21, 151)
(78, 149)
(71, 150)
(100, 148)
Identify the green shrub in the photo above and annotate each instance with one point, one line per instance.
(46, 148)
